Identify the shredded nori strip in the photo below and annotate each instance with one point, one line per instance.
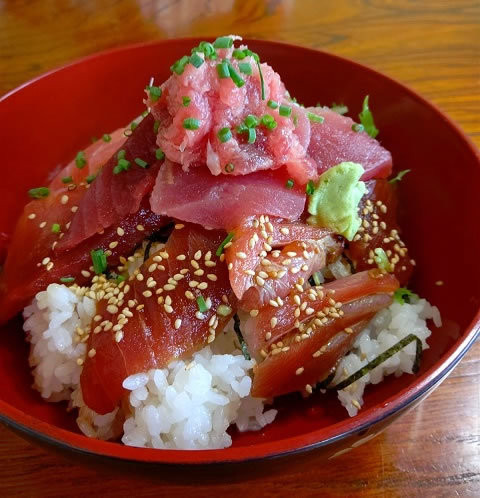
(383, 357)
(243, 344)
(325, 382)
(158, 236)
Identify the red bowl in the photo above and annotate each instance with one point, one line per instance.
(45, 121)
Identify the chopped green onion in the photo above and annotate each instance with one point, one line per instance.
(339, 108)
(403, 295)
(67, 179)
(90, 178)
(316, 278)
(222, 70)
(252, 135)
(179, 66)
(93, 139)
(295, 120)
(366, 118)
(310, 188)
(195, 60)
(251, 121)
(381, 259)
(133, 125)
(239, 54)
(121, 154)
(383, 357)
(315, 118)
(155, 92)
(55, 228)
(400, 175)
(106, 137)
(159, 154)
(358, 127)
(224, 135)
(99, 260)
(191, 124)
(285, 110)
(207, 49)
(141, 162)
(236, 78)
(226, 240)
(156, 126)
(224, 310)
(186, 101)
(229, 168)
(243, 345)
(255, 56)
(272, 104)
(223, 42)
(39, 193)
(202, 306)
(80, 160)
(242, 128)
(269, 121)
(245, 68)
(290, 183)
(67, 280)
(122, 165)
(120, 278)
(262, 83)
(145, 113)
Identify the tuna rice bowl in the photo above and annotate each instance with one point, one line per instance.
(227, 247)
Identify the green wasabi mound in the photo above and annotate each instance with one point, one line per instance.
(334, 203)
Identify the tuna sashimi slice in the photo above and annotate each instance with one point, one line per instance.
(260, 272)
(27, 272)
(320, 333)
(112, 196)
(378, 210)
(334, 141)
(160, 316)
(220, 201)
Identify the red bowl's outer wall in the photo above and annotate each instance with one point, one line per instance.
(45, 122)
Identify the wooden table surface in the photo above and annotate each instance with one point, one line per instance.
(433, 46)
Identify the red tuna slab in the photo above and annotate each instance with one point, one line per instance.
(160, 316)
(115, 194)
(223, 201)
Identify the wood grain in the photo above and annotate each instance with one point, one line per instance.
(433, 46)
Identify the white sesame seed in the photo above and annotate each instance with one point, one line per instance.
(273, 303)
(179, 226)
(120, 231)
(178, 321)
(140, 228)
(254, 313)
(241, 255)
(230, 265)
(118, 336)
(49, 266)
(212, 277)
(202, 285)
(169, 287)
(299, 371)
(189, 295)
(309, 389)
(64, 199)
(168, 308)
(193, 283)
(273, 322)
(31, 216)
(43, 224)
(92, 353)
(111, 308)
(260, 281)
(113, 244)
(74, 209)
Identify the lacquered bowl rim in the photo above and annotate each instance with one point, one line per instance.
(64, 439)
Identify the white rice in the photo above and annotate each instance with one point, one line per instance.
(188, 405)
(191, 404)
(387, 328)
